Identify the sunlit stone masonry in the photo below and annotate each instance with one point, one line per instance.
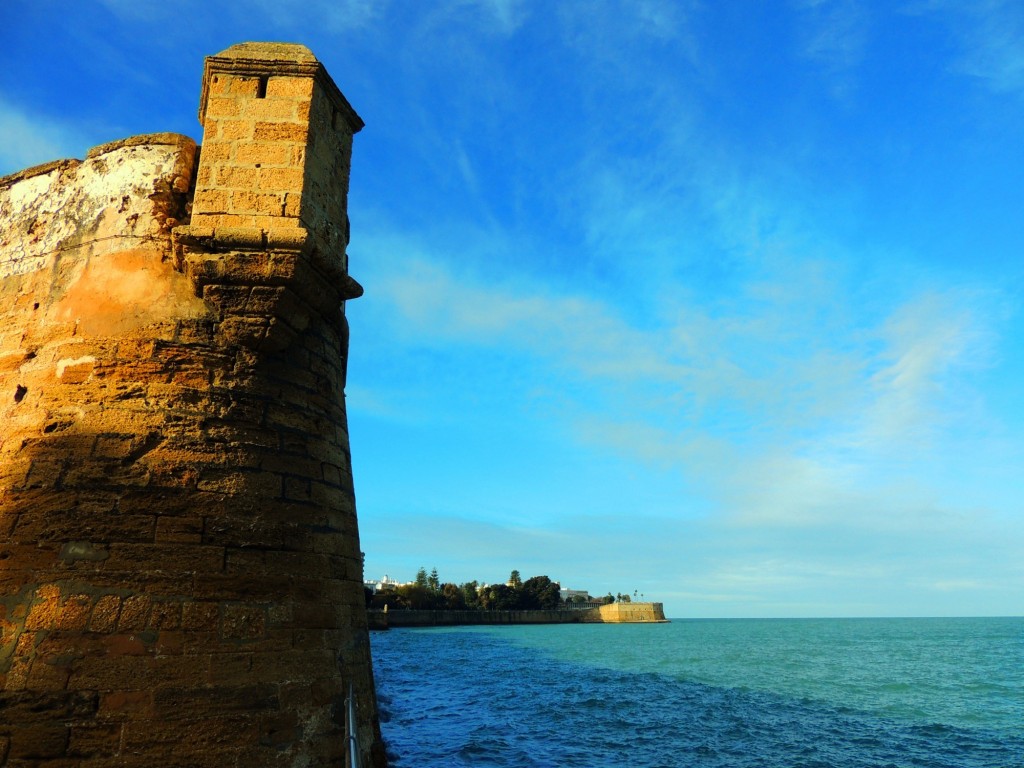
(180, 575)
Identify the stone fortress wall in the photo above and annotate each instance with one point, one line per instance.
(632, 613)
(180, 572)
(615, 613)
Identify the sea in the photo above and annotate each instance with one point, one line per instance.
(774, 693)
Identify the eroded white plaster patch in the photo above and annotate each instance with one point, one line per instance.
(69, 362)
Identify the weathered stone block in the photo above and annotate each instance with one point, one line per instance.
(128, 645)
(105, 613)
(243, 621)
(180, 530)
(235, 130)
(43, 676)
(165, 615)
(92, 741)
(268, 204)
(200, 616)
(233, 177)
(124, 672)
(290, 88)
(281, 131)
(134, 702)
(245, 86)
(270, 109)
(219, 153)
(283, 179)
(212, 199)
(74, 612)
(223, 107)
(35, 742)
(239, 586)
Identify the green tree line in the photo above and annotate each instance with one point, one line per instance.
(427, 592)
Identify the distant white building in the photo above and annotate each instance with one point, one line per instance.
(569, 594)
(387, 584)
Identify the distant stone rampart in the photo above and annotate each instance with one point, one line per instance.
(180, 571)
(631, 613)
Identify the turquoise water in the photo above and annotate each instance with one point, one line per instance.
(813, 693)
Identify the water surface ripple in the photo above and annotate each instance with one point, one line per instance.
(801, 694)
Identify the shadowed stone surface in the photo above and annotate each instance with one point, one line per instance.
(180, 574)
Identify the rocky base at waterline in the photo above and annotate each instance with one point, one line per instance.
(615, 613)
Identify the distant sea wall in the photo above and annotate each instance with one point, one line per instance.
(631, 613)
(616, 613)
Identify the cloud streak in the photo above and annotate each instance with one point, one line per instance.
(30, 139)
(991, 37)
(862, 396)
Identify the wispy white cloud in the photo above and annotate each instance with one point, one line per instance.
(763, 369)
(31, 139)
(667, 21)
(834, 35)
(608, 32)
(465, 167)
(466, 21)
(991, 37)
(136, 12)
(926, 343)
(834, 32)
(871, 551)
(333, 15)
(509, 14)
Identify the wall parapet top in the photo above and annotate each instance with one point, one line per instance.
(38, 170)
(143, 139)
(139, 140)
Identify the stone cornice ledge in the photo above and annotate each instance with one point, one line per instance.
(296, 240)
(245, 238)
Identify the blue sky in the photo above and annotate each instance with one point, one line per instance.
(719, 302)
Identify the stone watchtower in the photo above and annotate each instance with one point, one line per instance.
(180, 572)
(277, 142)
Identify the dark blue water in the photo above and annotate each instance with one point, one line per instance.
(941, 693)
